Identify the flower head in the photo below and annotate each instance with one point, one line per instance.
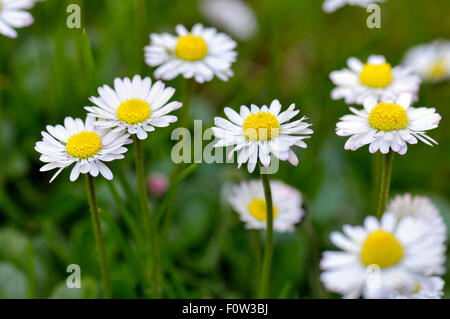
(332, 5)
(248, 200)
(380, 258)
(259, 132)
(421, 208)
(424, 288)
(12, 15)
(430, 61)
(375, 78)
(201, 54)
(388, 125)
(83, 144)
(235, 16)
(135, 106)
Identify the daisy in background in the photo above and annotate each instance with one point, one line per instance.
(380, 258)
(425, 288)
(134, 106)
(248, 200)
(421, 208)
(235, 16)
(386, 125)
(375, 78)
(83, 144)
(257, 133)
(201, 53)
(332, 5)
(13, 15)
(430, 61)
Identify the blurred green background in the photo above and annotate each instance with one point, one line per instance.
(45, 227)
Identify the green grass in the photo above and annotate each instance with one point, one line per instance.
(45, 227)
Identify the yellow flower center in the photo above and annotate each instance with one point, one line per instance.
(261, 126)
(191, 48)
(257, 209)
(417, 287)
(388, 117)
(84, 145)
(437, 70)
(381, 248)
(133, 111)
(376, 75)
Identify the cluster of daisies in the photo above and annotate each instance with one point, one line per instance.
(402, 254)
(135, 106)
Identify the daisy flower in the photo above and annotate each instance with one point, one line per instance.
(201, 54)
(388, 125)
(425, 288)
(82, 144)
(430, 61)
(420, 207)
(134, 106)
(248, 200)
(332, 5)
(257, 133)
(13, 15)
(235, 16)
(375, 78)
(380, 258)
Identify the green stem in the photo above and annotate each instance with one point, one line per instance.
(147, 218)
(385, 183)
(188, 91)
(257, 256)
(268, 252)
(104, 269)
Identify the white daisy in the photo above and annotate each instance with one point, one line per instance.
(376, 79)
(82, 144)
(135, 106)
(200, 54)
(380, 258)
(430, 61)
(248, 200)
(332, 5)
(422, 208)
(235, 16)
(13, 15)
(425, 288)
(259, 132)
(388, 125)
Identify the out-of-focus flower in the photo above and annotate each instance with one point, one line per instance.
(248, 200)
(13, 15)
(201, 54)
(430, 61)
(387, 125)
(235, 16)
(259, 132)
(425, 288)
(82, 144)
(381, 258)
(376, 79)
(332, 5)
(422, 208)
(134, 106)
(158, 184)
